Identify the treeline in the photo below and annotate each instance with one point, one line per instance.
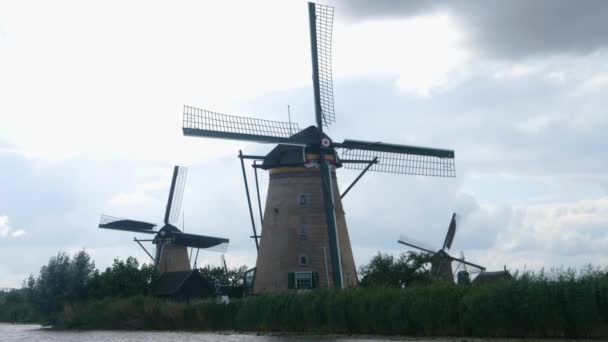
(398, 296)
(74, 279)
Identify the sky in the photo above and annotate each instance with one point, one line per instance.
(91, 96)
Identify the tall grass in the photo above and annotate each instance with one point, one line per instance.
(526, 307)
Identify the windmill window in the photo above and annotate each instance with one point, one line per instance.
(304, 227)
(303, 200)
(303, 260)
(349, 282)
(304, 280)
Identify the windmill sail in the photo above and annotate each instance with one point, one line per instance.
(408, 241)
(462, 265)
(402, 159)
(111, 222)
(203, 123)
(223, 259)
(449, 237)
(200, 241)
(321, 27)
(176, 194)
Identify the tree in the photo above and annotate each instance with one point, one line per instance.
(124, 279)
(63, 279)
(384, 271)
(233, 277)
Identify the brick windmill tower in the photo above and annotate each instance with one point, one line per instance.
(304, 241)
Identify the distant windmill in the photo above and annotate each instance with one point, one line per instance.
(304, 241)
(171, 243)
(463, 273)
(441, 261)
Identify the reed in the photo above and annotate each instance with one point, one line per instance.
(525, 307)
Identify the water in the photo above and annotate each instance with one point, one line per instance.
(30, 333)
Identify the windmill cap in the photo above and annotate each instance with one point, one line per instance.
(292, 155)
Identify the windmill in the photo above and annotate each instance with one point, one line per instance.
(171, 243)
(463, 273)
(441, 261)
(304, 241)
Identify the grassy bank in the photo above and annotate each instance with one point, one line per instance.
(521, 308)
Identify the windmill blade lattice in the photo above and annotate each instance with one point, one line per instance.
(401, 159)
(204, 123)
(449, 237)
(406, 240)
(324, 17)
(117, 223)
(176, 194)
(201, 241)
(465, 265)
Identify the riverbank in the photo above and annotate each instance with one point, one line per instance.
(530, 309)
(27, 332)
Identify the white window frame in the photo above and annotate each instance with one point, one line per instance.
(303, 278)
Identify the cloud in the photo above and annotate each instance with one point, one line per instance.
(506, 29)
(142, 193)
(572, 228)
(8, 231)
(423, 64)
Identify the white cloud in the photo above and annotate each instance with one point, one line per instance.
(517, 70)
(17, 233)
(6, 230)
(141, 194)
(423, 63)
(549, 234)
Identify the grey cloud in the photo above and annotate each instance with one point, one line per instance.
(507, 29)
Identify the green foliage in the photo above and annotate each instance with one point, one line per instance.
(123, 279)
(556, 304)
(67, 280)
(139, 312)
(384, 271)
(233, 277)
(16, 307)
(560, 303)
(532, 305)
(62, 280)
(72, 279)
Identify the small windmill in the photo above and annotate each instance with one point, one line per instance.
(304, 241)
(171, 243)
(463, 273)
(441, 261)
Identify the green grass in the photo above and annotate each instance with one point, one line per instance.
(534, 308)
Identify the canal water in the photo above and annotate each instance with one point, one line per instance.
(33, 333)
